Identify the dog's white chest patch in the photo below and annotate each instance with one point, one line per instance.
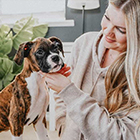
(39, 96)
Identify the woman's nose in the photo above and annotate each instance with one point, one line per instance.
(109, 30)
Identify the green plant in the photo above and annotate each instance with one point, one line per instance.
(23, 30)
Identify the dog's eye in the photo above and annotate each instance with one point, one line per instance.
(40, 53)
(55, 48)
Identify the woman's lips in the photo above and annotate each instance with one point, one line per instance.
(109, 40)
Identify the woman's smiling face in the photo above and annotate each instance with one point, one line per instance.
(114, 29)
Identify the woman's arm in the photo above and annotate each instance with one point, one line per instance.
(60, 107)
(60, 114)
(95, 121)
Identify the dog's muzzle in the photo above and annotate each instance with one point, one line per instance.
(56, 63)
(52, 63)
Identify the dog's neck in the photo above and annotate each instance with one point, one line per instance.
(28, 68)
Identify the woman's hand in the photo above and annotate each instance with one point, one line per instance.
(57, 81)
(65, 70)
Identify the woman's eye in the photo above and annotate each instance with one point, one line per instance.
(121, 31)
(107, 17)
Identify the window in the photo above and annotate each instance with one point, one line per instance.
(45, 10)
(31, 6)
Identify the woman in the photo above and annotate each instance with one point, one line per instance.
(102, 98)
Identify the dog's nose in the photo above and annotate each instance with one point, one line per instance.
(55, 58)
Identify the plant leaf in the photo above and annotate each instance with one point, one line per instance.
(4, 30)
(9, 77)
(17, 69)
(24, 31)
(40, 30)
(1, 85)
(5, 71)
(5, 40)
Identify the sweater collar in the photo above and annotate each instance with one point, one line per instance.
(98, 47)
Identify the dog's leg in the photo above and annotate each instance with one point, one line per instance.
(41, 129)
(16, 137)
(17, 116)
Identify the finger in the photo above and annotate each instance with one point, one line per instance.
(67, 74)
(49, 86)
(62, 71)
(49, 76)
(65, 65)
(54, 76)
(48, 79)
(41, 73)
(66, 69)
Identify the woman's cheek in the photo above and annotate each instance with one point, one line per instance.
(121, 38)
(121, 42)
(103, 23)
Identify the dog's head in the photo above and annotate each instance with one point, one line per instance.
(42, 53)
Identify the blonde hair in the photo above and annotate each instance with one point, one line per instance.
(123, 77)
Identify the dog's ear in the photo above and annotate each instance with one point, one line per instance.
(23, 51)
(58, 43)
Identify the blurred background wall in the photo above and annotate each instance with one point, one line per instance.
(92, 23)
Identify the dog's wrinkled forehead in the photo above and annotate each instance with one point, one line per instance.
(42, 43)
(51, 44)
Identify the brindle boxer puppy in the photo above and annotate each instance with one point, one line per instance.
(25, 100)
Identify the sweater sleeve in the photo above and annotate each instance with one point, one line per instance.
(93, 120)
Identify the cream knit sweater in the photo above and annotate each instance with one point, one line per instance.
(80, 113)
